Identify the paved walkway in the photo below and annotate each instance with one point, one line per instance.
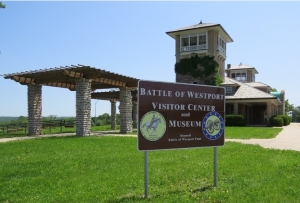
(288, 138)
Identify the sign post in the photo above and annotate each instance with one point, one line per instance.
(178, 116)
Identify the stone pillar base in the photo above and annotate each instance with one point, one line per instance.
(83, 107)
(34, 94)
(125, 111)
(113, 114)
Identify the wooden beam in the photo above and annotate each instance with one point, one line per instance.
(23, 80)
(73, 74)
(110, 82)
(59, 84)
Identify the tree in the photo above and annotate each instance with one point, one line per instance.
(274, 90)
(296, 114)
(2, 5)
(288, 107)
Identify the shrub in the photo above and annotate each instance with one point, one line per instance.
(278, 121)
(235, 120)
(286, 119)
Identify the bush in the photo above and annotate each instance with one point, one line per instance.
(286, 119)
(276, 121)
(235, 120)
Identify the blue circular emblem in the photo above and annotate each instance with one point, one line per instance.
(213, 125)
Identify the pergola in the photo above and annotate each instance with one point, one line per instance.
(84, 80)
(114, 96)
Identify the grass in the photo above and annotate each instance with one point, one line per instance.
(230, 132)
(55, 130)
(110, 170)
(251, 132)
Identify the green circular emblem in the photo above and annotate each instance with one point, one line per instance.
(153, 126)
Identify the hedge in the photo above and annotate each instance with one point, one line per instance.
(235, 120)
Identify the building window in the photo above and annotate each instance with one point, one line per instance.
(185, 42)
(253, 77)
(239, 76)
(229, 89)
(193, 42)
(202, 39)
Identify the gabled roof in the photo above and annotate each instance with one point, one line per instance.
(201, 25)
(241, 67)
(245, 91)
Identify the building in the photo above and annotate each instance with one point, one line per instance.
(254, 100)
(202, 39)
(244, 95)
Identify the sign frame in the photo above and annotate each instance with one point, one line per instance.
(157, 102)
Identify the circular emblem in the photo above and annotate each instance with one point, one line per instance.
(153, 126)
(213, 125)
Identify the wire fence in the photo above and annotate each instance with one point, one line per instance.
(48, 127)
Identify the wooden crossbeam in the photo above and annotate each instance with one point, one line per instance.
(110, 82)
(73, 74)
(60, 84)
(23, 80)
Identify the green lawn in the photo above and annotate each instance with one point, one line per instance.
(251, 132)
(230, 132)
(111, 169)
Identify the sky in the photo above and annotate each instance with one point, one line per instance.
(129, 38)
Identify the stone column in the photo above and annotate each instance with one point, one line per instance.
(34, 94)
(113, 114)
(269, 111)
(235, 108)
(83, 107)
(125, 110)
(134, 113)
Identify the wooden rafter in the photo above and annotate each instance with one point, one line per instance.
(110, 82)
(73, 74)
(23, 80)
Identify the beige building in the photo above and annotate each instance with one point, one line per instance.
(252, 99)
(244, 95)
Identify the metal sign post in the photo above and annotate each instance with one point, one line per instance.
(146, 173)
(215, 166)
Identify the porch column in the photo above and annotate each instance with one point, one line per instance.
(113, 114)
(83, 107)
(235, 108)
(125, 110)
(135, 113)
(34, 97)
(269, 111)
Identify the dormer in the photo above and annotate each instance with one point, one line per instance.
(242, 73)
(202, 39)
